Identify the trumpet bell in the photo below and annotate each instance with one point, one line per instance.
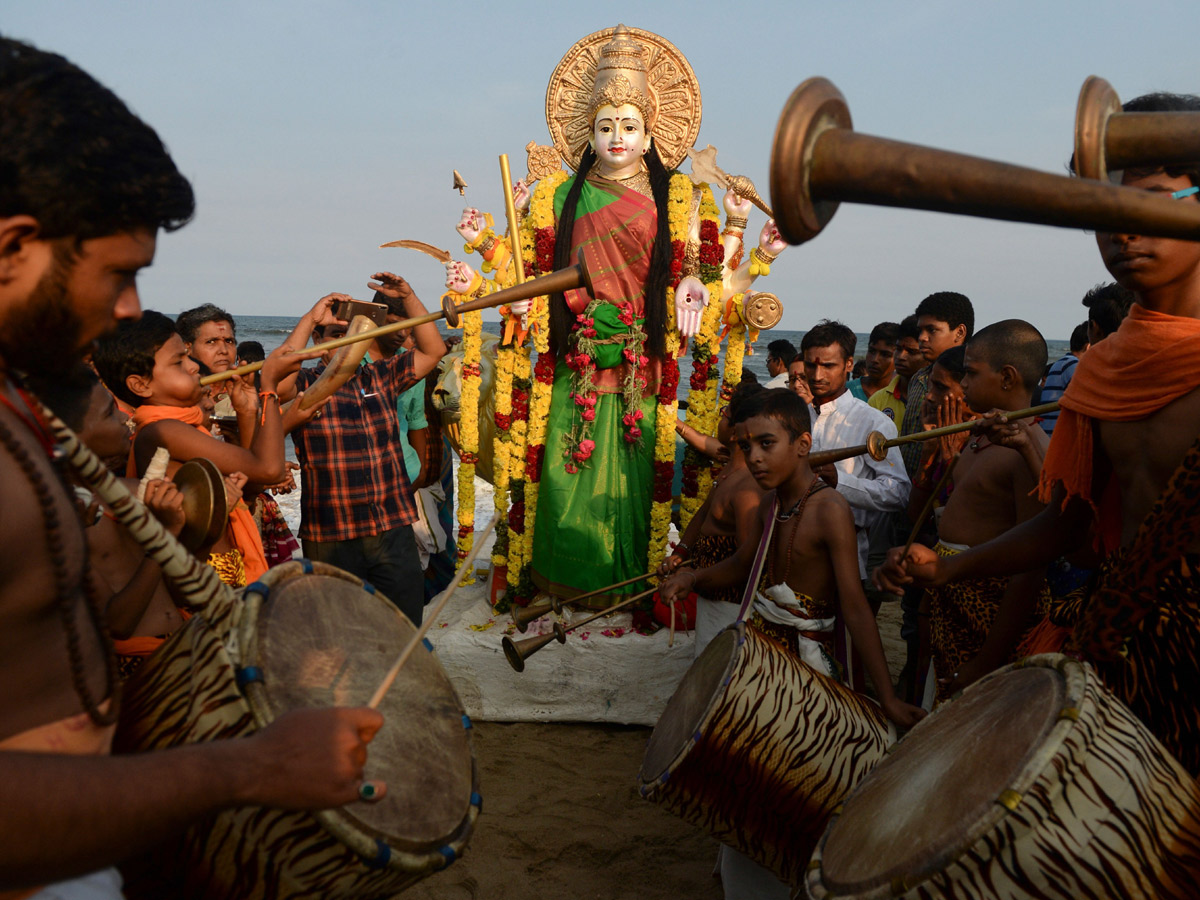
(516, 652)
(523, 615)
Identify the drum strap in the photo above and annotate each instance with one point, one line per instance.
(760, 559)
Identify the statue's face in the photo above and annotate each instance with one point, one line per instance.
(620, 139)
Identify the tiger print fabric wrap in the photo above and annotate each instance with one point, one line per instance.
(187, 693)
(757, 749)
(1095, 808)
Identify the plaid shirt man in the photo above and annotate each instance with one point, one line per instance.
(352, 462)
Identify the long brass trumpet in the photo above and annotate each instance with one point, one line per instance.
(523, 615)
(1107, 139)
(516, 652)
(576, 276)
(817, 162)
(877, 445)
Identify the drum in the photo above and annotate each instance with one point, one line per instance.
(758, 748)
(310, 635)
(1036, 782)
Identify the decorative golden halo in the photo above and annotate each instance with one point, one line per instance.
(672, 83)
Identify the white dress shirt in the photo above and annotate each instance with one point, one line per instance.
(779, 381)
(871, 488)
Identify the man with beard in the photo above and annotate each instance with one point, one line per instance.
(84, 188)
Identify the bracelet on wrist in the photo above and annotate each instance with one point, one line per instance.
(262, 399)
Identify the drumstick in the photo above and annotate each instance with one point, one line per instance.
(929, 504)
(427, 623)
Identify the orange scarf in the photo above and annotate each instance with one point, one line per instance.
(243, 533)
(144, 644)
(1149, 362)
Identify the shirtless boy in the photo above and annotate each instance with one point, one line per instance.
(728, 523)
(140, 612)
(992, 493)
(84, 188)
(812, 565)
(1129, 422)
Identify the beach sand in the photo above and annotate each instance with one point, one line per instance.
(562, 818)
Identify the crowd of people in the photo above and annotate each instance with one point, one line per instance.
(1035, 544)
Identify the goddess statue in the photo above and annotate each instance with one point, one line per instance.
(623, 108)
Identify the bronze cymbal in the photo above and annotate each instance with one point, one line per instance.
(204, 504)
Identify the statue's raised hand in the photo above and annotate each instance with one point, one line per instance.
(459, 277)
(736, 206)
(770, 241)
(690, 299)
(470, 225)
(521, 196)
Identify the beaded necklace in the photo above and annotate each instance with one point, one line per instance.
(797, 513)
(64, 590)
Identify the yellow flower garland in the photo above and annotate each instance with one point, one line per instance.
(501, 447)
(518, 543)
(472, 326)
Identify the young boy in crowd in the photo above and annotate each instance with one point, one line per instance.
(141, 613)
(729, 522)
(907, 361)
(1125, 456)
(944, 320)
(878, 362)
(993, 488)
(145, 363)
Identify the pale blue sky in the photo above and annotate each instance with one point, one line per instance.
(315, 131)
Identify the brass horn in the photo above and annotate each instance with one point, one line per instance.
(1107, 139)
(817, 162)
(877, 445)
(517, 651)
(570, 278)
(523, 615)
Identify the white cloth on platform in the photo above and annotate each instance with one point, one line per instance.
(712, 617)
(871, 488)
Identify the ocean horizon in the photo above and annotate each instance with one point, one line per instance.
(271, 331)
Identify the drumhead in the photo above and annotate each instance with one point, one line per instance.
(946, 782)
(325, 641)
(698, 692)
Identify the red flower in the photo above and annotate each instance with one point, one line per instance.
(516, 518)
(589, 414)
(544, 370)
(534, 454)
(503, 422)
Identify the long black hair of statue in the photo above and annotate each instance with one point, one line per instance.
(655, 297)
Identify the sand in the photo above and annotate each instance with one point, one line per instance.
(562, 818)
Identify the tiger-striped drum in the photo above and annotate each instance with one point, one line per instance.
(1036, 782)
(757, 748)
(309, 636)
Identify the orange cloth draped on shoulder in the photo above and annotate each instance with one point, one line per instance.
(1149, 362)
(243, 533)
(143, 644)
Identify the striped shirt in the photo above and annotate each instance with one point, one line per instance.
(351, 459)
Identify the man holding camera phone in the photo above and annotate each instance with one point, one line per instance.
(357, 505)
